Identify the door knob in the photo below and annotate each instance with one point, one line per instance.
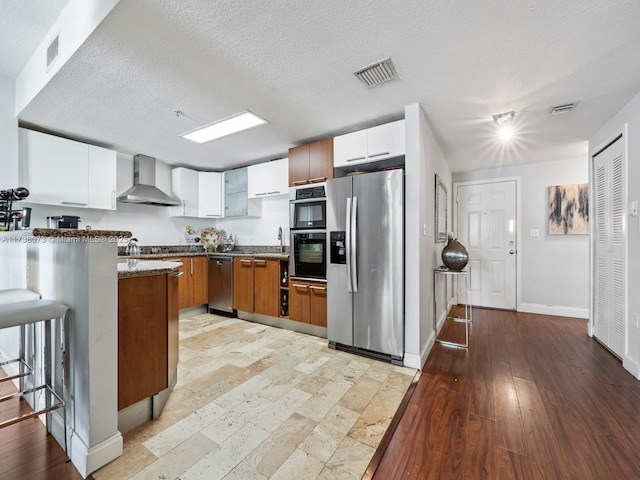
(512, 251)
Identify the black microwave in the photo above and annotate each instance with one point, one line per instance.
(307, 208)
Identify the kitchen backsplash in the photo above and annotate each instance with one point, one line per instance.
(153, 225)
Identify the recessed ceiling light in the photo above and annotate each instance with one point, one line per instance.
(505, 125)
(502, 118)
(227, 126)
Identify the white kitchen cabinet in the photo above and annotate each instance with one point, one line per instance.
(102, 178)
(59, 171)
(184, 186)
(268, 179)
(370, 145)
(209, 194)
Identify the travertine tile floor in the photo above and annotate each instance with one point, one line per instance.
(257, 402)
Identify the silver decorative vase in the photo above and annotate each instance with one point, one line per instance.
(454, 255)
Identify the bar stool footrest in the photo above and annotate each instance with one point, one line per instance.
(55, 402)
(29, 370)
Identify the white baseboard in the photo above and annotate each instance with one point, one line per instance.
(631, 366)
(417, 361)
(554, 310)
(88, 460)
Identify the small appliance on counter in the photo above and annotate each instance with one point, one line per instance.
(63, 221)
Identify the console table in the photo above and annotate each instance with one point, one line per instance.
(465, 275)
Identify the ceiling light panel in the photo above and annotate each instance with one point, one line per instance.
(226, 126)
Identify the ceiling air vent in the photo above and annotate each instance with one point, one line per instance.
(377, 73)
(560, 109)
(52, 51)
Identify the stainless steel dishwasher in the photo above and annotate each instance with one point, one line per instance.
(221, 285)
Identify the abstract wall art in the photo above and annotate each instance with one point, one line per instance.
(569, 209)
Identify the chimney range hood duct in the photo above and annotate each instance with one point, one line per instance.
(144, 190)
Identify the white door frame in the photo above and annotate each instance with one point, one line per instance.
(457, 185)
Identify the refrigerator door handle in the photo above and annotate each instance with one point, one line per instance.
(348, 243)
(354, 245)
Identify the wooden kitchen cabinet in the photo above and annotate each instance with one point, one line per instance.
(193, 286)
(311, 163)
(256, 285)
(308, 302)
(147, 336)
(243, 284)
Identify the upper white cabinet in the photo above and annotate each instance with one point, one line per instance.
(209, 194)
(268, 179)
(184, 186)
(370, 145)
(200, 193)
(58, 171)
(103, 177)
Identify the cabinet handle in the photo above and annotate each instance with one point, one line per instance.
(191, 262)
(317, 179)
(378, 154)
(211, 215)
(74, 203)
(184, 207)
(260, 261)
(179, 274)
(300, 182)
(246, 261)
(261, 194)
(355, 159)
(113, 199)
(317, 288)
(299, 285)
(273, 193)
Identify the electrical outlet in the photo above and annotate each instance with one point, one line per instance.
(534, 232)
(635, 318)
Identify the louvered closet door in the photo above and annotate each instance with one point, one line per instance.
(610, 269)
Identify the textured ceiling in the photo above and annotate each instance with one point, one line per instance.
(291, 62)
(23, 23)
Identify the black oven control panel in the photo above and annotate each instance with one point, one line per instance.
(310, 192)
(338, 253)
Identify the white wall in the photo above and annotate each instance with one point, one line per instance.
(8, 136)
(423, 160)
(554, 272)
(629, 115)
(261, 230)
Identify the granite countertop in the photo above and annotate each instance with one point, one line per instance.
(142, 268)
(159, 252)
(76, 232)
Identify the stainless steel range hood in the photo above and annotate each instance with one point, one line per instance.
(144, 190)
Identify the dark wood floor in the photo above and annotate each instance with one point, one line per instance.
(533, 398)
(26, 450)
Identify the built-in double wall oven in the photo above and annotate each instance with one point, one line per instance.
(308, 226)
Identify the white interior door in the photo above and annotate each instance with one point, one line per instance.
(487, 228)
(609, 239)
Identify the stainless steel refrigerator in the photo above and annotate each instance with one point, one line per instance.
(365, 268)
